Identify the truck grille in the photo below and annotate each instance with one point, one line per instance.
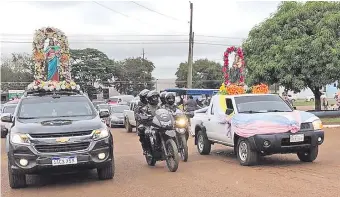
(62, 147)
(56, 135)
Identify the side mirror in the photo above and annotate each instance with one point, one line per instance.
(229, 111)
(104, 114)
(7, 118)
(294, 108)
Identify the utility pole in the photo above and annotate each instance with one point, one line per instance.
(143, 55)
(189, 78)
(192, 46)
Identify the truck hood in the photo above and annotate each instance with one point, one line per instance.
(58, 126)
(247, 125)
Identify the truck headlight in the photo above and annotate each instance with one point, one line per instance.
(18, 138)
(317, 125)
(100, 133)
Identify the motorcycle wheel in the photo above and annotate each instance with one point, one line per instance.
(184, 148)
(150, 160)
(172, 159)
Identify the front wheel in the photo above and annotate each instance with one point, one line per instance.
(16, 180)
(4, 133)
(309, 156)
(183, 148)
(107, 172)
(245, 155)
(172, 159)
(203, 144)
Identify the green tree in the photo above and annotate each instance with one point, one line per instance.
(205, 74)
(16, 71)
(297, 47)
(90, 66)
(134, 75)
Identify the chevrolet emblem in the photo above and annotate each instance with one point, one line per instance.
(62, 139)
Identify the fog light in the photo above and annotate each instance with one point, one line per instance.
(23, 162)
(319, 139)
(266, 143)
(101, 156)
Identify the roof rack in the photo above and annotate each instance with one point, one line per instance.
(42, 92)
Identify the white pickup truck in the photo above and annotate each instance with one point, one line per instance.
(129, 116)
(257, 125)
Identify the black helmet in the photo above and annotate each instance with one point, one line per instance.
(153, 97)
(162, 97)
(143, 96)
(170, 98)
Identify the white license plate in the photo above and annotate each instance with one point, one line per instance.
(57, 161)
(297, 138)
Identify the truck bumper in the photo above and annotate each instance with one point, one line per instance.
(280, 143)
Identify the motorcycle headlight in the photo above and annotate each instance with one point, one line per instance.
(182, 122)
(100, 133)
(18, 138)
(317, 125)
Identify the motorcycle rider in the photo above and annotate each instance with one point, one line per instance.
(141, 109)
(162, 98)
(153, 100)
(170, 102)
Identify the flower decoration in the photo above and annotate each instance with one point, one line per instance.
(240, 64)
(231, 89)
(260, 89)
(39, 85)
(39, 54)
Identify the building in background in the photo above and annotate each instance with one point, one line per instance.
(161, 84)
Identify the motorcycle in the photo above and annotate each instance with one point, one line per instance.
(182, 134)
(161, 137)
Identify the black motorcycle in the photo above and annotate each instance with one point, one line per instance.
(182, 134)
(161, 137)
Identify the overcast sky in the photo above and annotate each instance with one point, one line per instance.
(90, 25)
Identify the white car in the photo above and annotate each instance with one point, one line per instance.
(129, 116)
(257, 125)
(310, 98)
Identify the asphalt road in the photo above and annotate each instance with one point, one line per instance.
(217, 174)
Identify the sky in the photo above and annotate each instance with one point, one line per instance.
(122, 29)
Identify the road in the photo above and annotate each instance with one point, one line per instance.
(217, 174)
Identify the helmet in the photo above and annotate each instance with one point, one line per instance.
(162, 97)
(170, 98)
(153, 97)
(143, 96)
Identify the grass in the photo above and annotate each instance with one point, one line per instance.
(311, 103)
(331, 120)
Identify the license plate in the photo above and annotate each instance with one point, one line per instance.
(57, 161)
(297, 138)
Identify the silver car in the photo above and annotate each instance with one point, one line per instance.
(116, 115)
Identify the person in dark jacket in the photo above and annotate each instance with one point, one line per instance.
(139, 110)
(191, 104)
(170, 102)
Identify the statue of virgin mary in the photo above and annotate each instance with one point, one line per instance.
(52, 53)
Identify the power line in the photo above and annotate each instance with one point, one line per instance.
(173, 18)
(122, 13)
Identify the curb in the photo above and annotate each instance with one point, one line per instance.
(332, 126)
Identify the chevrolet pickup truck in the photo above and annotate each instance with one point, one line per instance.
(129, 116)
(257, 125)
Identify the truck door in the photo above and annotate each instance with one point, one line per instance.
(227, 135)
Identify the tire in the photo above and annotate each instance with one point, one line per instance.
(150, 160)
(4, 133)
(245, 155)
(173, 161)
(128, 126)
(16, 180)
(312, 100)
(184, 148)
(106, 172)
(309, 156)
(203, 144)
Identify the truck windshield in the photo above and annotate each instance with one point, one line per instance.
(9, 109)
(51, 107)
(263, 103)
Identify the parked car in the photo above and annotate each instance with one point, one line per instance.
(292, 97)
(95, 103)
(57, 131)
(7, 109)
(257, 125)
(129, 116)
(310, 98)
(116, 117)
(122, 99)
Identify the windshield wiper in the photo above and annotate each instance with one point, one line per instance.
(252, 112)
(276, 110)
(27, 117)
